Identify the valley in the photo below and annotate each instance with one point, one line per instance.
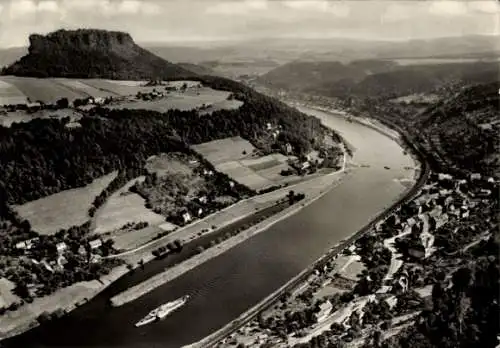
(298, 191)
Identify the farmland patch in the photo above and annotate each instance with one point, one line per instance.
(64, 209)
(124, 207)
(45, 90)
(225, 150)
(10, 94)
(20, 116)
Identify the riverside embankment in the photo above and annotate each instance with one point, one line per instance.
(314, 189)
(228, 285)
(270, 300)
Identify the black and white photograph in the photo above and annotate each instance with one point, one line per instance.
(249, 173)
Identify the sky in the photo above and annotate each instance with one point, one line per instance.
(181, 21)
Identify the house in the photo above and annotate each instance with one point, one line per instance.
(95, 258)
(288, 148)
(61, 247)
(187, 217)
(475, 176)
(202, 199)
(324, 310)
(231, 184)
(200, 211)
(82, 251)
(94, 244)
(443, 177)
(305, 165)
(411, 221)
(27, 244)
(269, 126)
(98, 100)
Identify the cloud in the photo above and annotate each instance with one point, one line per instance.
(396, 12)
(48, 6)
(236, 7)
(485, 6)
(448, 8)
(325, 7)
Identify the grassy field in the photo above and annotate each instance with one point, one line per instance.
(164, 164)
(124, 207)
(191, 99)
(225, 150)
(10, 94)
(46, 90)
(64, 209)
(235, 157)
(20, 116)
(16, 90)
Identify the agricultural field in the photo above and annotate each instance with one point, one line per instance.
(19, 90)
(237, 158)
(225, 150)
(164, 164)
(45, 90)
(64, 209)
(10, 94)
(207, 99)
(124, 207)
(20, 116)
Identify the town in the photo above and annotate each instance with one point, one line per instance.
(379, 285)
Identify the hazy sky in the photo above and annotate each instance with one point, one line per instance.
(182, 20)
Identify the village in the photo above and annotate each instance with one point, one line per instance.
(378, 286)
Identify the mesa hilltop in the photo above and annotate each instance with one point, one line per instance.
(91, 53)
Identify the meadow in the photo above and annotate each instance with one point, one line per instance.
(236, 157)
(125, 207)
(64, 209)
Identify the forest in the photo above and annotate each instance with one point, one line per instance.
(43, 157)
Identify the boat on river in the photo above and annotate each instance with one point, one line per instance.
(162, 311)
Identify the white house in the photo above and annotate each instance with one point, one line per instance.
(324, 310)
(289, 148)
(26, 244)
(200, 211)
(475, 176)
(94, 244)
(442, 177)
(202, 199)
(186, 216)
(61, 247)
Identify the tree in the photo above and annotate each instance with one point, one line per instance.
(62, 103)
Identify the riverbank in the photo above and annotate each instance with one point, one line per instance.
(421, 175)
(314, 189)
(14, 323)
(67, 299)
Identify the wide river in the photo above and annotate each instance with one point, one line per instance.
(226, 286)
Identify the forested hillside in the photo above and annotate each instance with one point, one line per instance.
(42, 157)
(376, 78)
(465, 128)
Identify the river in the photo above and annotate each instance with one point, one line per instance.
(224, 287)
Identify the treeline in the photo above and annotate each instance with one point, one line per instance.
(121, 179)
(43, 157)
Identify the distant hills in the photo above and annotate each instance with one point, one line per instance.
(90, 53)
(376, 77)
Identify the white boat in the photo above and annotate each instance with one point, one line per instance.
(162, 311)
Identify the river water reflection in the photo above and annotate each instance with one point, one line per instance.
(224, 287)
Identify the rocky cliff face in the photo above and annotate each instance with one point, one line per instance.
(92, 53)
